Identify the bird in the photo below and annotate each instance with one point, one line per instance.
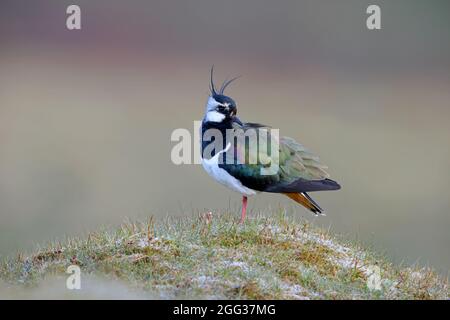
(298, 170)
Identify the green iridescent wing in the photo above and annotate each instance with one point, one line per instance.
(298, 169)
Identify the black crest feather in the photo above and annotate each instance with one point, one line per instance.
(211, 87)
(225, 84)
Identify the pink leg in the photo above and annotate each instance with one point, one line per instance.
(244, 209)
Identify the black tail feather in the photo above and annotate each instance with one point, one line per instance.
(316, 208)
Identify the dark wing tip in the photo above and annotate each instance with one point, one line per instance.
(333, 185)
(302, 185)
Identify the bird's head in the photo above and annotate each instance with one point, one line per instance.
(220, 107)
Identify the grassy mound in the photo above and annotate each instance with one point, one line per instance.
(215, 258)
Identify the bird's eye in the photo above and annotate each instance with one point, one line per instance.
(221, 108)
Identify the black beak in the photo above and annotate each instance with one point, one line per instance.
(237, 120)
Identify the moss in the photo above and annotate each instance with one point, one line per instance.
(251, 290)
(203, 257)
(318, 256)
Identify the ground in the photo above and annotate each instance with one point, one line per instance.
(214, 257)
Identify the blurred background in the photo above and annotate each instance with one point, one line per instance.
(86, 116)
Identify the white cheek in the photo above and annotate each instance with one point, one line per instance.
(211, 104)
(214, 116)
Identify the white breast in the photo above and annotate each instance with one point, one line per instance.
(211, 166)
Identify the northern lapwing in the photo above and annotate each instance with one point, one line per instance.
(298, 170)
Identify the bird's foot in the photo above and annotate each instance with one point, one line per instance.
(244, 209)
(207, 217)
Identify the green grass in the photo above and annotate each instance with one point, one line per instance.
(216, 258)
